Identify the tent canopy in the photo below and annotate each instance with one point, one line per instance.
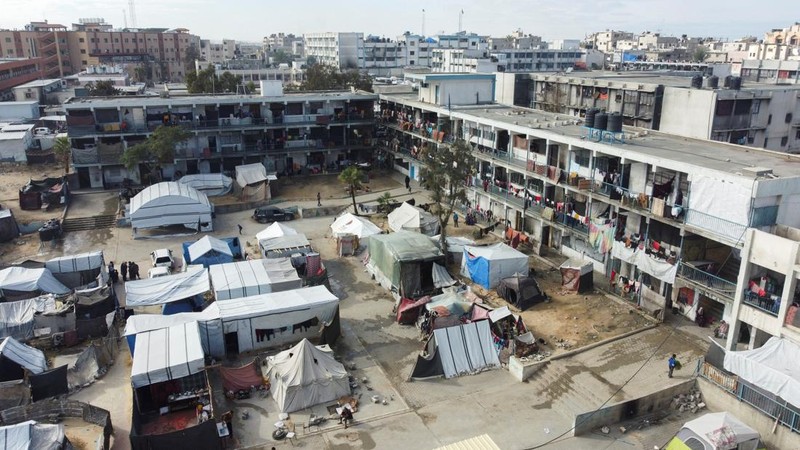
(275, 230)
(76, 263)
(772, 367)
(170, 203)
(458, 350)
(170, 288)
(24, 356)
(389, 253)
(349, 223)
(253, 277)
(413, 218)
(211, 184)
(207, 320)
(17, 319)
(32, 435)
(521, 291)
(306, 375)
(273, 304)
(167, 354)
(487, 265)
(250, 174)
(285, 245)
(722, 430)
(20, 279)
(206, 245)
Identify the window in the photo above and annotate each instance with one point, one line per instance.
(411, 53)
(83, 51)
(766, 142)
(788, 118)
(797, 134)
(756, 106)
(105, 40)
(769, 119)
(81, 40)
(784, 141)
(84, 63)
(8, 39)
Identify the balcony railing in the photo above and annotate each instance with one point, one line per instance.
(732, 231)
(719, 285)
(767, 304)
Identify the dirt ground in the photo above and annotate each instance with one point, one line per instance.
(329, 186)
(82, 435)
(13, 177)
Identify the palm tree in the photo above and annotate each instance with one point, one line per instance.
(63, 151)
(351, 176)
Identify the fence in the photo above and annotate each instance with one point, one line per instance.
(720, 285)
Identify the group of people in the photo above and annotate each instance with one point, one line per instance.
(128, 269)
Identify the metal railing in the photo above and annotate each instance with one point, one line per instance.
(627, 197)
(716, 225)
(765, 304)
(721, 286)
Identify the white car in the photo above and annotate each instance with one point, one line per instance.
(159, 271)
(163, 258)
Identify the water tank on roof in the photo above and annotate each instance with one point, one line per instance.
(726, 82)
(590, 115)
(615, 122)
(713, 82)
(601, 120)
(697, 82)
(736, 83)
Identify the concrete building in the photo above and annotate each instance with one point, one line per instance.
(771, 71)
(93, 74)
(462, 40)
(15, 140)
(517, 39)
(280, 41)
(214, 52)
(38, 91)
(447, 60)
(19, 111)
(299, 133)
(787, 36)
(17, 71)
(256, 70)
(564, 44)
(342, 50)
(454, 60)
(49, 42)
(606, 41)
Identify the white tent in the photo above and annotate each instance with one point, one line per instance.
(207, 244)
(171, 203)
(32, 435)
(716, 431)
(277, 229)
(20, 279)
(167, 289)
(167, 354)
(773, 367)
(349, 223)
(458, 350)
(211, 184)
(83, 270)
(412, 218)
(251, 182)
(24, 356)
(211, 335)
(304, 376)
(455, 245)
(284, 245)
(17, 318)
(490, 264)
(253, 277)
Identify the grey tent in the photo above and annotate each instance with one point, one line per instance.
(33, 435)
(715, 431)
(521, 291)
(457, 350)
(16, 356)
(403, 261)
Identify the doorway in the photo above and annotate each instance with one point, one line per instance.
(232, 343)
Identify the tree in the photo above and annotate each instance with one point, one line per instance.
(63, 151)
(700, 54)
(158, 149)
(323, 77)
(102, 88)
(352, 176)
(384, 201)
(281, 57)
(206, 81)
(189, 56)
(445, 175)
(251, 87)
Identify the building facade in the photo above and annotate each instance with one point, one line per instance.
(342, 50)
(17, 71)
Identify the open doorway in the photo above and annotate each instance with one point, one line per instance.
(232, 343)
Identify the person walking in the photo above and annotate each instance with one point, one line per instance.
(319, 199)
(123, 269)
(672, 363)
(240, 228)
(455, 219)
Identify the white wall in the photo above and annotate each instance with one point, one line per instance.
(457, 92)
(688, 112)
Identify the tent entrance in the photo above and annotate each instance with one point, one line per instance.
(232, 343)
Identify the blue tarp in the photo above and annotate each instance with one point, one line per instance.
(177, 307)
(213, 257)
(478, 268)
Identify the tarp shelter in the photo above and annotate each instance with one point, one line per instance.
(170, 288)
(404, 261)
(208, 251)
(281, 246)
(211, 184)
(715, 431)
(82, 271)
(449, 309)
(20, 283)
(455, 245)
(17, 319)
(441, 277)
(488, 265)
(349, 223)
(306, 375)
(207, 320)
(275, 230)
(772, 367)
(243, 377)
(458, 350)
(32, 435)
(94, 303)
(521, 291)
(412, 218)
(576, 275)
(253, 277)
(38, 193)
(167, 354)
(170, 203)
(9, 229)
(49, 383)
(251, 183)
(408, 310)
(15, 357)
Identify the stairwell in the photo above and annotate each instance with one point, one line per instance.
(569, 389)
(88, 223)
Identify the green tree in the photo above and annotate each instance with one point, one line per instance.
(158, 149)
(700, 54)
(63, 151)
(358, 80)
(206, 81)
(102, 88)
(228, 82)
(189, 56)
(445, 175)
(352, 176)
(322, 77)
(251, 87)
(281, 57)
(384, 201)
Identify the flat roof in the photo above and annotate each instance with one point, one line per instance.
(667, 78)
(188, 100)
(16, 127)
(450, 76)
(39, 83)
(669, 151)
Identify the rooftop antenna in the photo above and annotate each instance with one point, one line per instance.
(423, 22)
(460, 18)
(124, 18)
(132, 11)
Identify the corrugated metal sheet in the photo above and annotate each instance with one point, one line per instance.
(482, 442)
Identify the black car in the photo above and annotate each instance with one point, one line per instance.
(272, 214)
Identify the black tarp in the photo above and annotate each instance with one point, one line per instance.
(48, 191)
(94, 303)
(428, 365)
(199, 437)
(521, 291)
(49, 384)
(331, 332)
(9, 229)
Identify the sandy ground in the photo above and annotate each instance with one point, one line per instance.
(13, 177)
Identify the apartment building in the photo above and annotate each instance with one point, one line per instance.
(606, 41)
(17, 71)
(289, 133)
(256, 70)
(787, 36)
(771, 71)
(281, 41)
(517, 39)
(450, 60)
(215, 52)
(342, 50)
(48, 42)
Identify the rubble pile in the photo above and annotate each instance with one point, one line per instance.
(691, 402)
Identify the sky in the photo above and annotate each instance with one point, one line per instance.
(251, 20)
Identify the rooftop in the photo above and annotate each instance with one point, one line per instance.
(189, 100)
(654, 78)
(39, 83)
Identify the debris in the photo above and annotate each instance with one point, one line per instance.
(605, 430)
(622, 430)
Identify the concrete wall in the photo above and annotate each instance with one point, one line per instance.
(688, 112)
(458, 92)
(772, 252)
(521, 371)
(504, 91)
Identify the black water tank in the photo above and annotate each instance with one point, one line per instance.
(736, 83)
(713, 82)
(589, 119)
(697, 82)
(726, 83)
(601, 120)
(615, 122)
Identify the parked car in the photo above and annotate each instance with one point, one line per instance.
(272, 214)
(163, 258)
(159, 271)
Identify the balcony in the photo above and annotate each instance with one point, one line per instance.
(707, 281)
(769, 304)
(725, 230)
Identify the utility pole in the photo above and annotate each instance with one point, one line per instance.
(423, 22)
(460, 18)
(125, 18)
(132, 11)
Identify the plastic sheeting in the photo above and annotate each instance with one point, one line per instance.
(285, 245)
(253, 277)
(412, 218)
(720, 199)
(22, 355)
(658, 268)
(772, 367)
(275, 230)
(408, 310)
(460, 350)
(455, 245)
(208, 321)
(250, 174)
(167, 354)
(20, 279)
(244, 377)
(171, 288)
(211, 184)
(722, 430)
(17, 319)
(170, 203)
(490, 264)
(441, 277)
(49, 384)
(349, 223)
(389, 252)
(32, 435)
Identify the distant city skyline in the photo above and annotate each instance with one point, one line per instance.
(251, 20)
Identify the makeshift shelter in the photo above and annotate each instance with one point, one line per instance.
(211, 335)
(252, 184)
(521, 291)
(275, 230)
(82, 271)
(171, 288)
(448, 309)
(455, 245)
(243, 377)
(772, 367)
(487, 265)
(32, 435)
(17, 283)
(167, 354)
(408, 311)
(233, 243)
(253, 277)
(412, 218)
(210, 184)
(349, 223)
(457, 350)
(208, 251)
(16, 357)
(306, 375)
(42, 193)
(715, 431)
(403, 262)
(441, 277)
(170, 203)
(9, 229)
(577, 276)
(18, 319)
(278, 247)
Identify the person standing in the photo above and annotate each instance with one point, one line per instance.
(133, 270)
(408, 183)
(347, 416)
(672, 363)
(123, 269)
(455, 219)
(240, 228)
(319, 199)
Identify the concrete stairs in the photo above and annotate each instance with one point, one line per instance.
(569, 389)
(88, 223)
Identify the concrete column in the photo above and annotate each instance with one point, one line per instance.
(745, 272)
(789, 283)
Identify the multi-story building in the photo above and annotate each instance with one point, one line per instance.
(249, 50)
(308, 132)
(606, 41)
(450, 60)
(457, 60)
(342, 50)
(17, 71)
(215, 52)
(771, 71)
(256, 70)
(283, 42)
(788, 36)
(517, 39)
(40, 40)
(462, 40)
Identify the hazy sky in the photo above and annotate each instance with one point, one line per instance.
(250, 20)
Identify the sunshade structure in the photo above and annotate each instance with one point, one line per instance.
(253, 277)
(208, 251)
(167, 354)
(715, 431)
(16, 357)
(31, 435)
(487, 265)
(251, 182)
(458, 350)
(412, 218)
(20, 283)
(577, 276)
(773, 367)
(167, 289)
(304, 376)
(171, 203)
(275, 230)
(85, 270)
(18, 319)
(521, 291)
(50, 191)
(210, 184)
(349, 223)
(404, 261)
